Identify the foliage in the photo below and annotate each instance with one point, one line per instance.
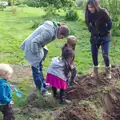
(1, 7)
(116, 28)
(114, 9)
(79, 2)
(45, 3)
(35, 24)
(50, 10)
(36, 3)
(19, 2)
(71, 14)
(15, 29)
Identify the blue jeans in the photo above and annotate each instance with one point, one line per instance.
(38, 77)
(105, 51)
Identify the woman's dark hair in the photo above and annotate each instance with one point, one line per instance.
(64, 30)
(103, 18)
(95, 4)
(66, 54)
(102, 13)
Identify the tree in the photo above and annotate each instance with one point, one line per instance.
(114, 10)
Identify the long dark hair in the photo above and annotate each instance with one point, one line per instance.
(95, 4)
(102, 13)
(66, 54)
(103, 18)
(64, 30)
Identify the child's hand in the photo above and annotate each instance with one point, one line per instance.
(72, 66)
(12, 86)
(75, 82)
(11, 102)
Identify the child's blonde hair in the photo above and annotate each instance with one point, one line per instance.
(71, 38)
(71, 41)
(5, 70)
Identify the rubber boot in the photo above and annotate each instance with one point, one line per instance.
(95, 71)
(108, 72)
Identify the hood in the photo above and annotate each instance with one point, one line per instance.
(3, 81)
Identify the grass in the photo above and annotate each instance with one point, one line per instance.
(16, 27)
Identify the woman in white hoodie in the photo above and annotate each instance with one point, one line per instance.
(34, 51)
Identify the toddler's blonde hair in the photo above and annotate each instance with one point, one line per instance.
(5, 70)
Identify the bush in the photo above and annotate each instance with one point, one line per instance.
(79, 3)
(71, 15)
(116, 28)
(36, 3)
(50, 10)
(46, 3)
(3, 5)
(35, 24)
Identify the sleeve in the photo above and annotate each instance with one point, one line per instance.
(35, 43)
(88, 22)
(109, 21)
(6, 95)
(39, 41)
(109, 24)
(90, 27)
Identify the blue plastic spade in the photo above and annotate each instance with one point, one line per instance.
(18, 93)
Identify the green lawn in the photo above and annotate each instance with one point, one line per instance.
(15, 28)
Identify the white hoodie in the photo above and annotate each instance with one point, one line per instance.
(57, 68)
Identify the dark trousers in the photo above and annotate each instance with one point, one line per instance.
(73, 74)
(105, 53)
(7, 112)
(38, 78)
(62, 92)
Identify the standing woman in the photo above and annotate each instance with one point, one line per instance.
(99, 25)
(34, 48)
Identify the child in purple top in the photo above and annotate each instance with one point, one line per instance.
(71, 43)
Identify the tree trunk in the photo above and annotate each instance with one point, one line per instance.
(9, 3)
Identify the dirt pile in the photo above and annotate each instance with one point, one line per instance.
(90, 91)
(76, 112)
(88, 88)
(111, 103)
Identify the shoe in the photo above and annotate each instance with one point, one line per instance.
(95, 71)
(108, 72)
(64, 101)
(57, 97)
(46, 93)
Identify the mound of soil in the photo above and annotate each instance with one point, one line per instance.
(89, 87)
(112, 105)
(76, 112)
(86, 89)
